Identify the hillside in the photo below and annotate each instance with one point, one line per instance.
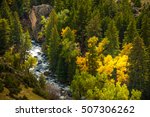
(75, 49)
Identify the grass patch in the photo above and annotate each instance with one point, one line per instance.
(25, 92)
(5, 95)
(28, 92)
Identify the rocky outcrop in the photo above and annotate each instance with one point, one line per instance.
(35, 17)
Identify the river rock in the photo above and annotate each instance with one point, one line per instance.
(35, 17)
(46, 73)
(39, 53)
(62, 97)
(39, 62)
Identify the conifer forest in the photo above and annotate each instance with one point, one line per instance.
(75, 49)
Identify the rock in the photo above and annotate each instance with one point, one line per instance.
(35, 57)
(47, 78)
(39, 62)
(69, 94)
(47, 73)
(62, 97)
(39, 53)
(62, 92)
(35, 17)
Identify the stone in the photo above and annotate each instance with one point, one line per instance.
(39, 62)
(35, 17)
(47, 73)
(62, 97)
(39, 53)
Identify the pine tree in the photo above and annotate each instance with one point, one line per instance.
(138, 65)
(80, 15)
(104, 25)
(26, 7)
(145, 29)
(25, 45)
(121, 26)
(54, 48)
(146, 94)
(137, 3)
(107, 8)
(17, 32)
(4, 35)
(42, 82)
(112, 35)
(93, 27)
(131, 32)
(59, 5)
(123, 18)
(68, 53)
(52, 21)
(62, 69)
(5, 11)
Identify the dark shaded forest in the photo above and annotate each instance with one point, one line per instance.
(100, 48)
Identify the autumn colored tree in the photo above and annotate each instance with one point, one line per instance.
(69, 51)
(92, 55)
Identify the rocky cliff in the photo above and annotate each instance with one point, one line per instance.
(35, 17)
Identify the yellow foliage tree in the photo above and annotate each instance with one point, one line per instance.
(114, 68)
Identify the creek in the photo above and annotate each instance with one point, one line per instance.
(42, 68)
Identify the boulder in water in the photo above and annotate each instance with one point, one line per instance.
(47, 73)
(39, 53)
(39, 62)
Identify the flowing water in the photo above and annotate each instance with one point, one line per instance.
(42, 67)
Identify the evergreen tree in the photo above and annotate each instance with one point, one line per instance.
(138, 65)
(104, 25)
(121, 26)
(137, 3)
(93, 27)
(107, 8)
(146, 94)
(69, 51)
(145, 29)
(52, 21)
(5, 11)
(113, 37)
(42, 82)
(59, 5)
(80, 15)
(54, 49)
(4, 35)
(26, 7)
(17, 32)
(25, 45)
(62, 69)
(131, 32)
(122, 18)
